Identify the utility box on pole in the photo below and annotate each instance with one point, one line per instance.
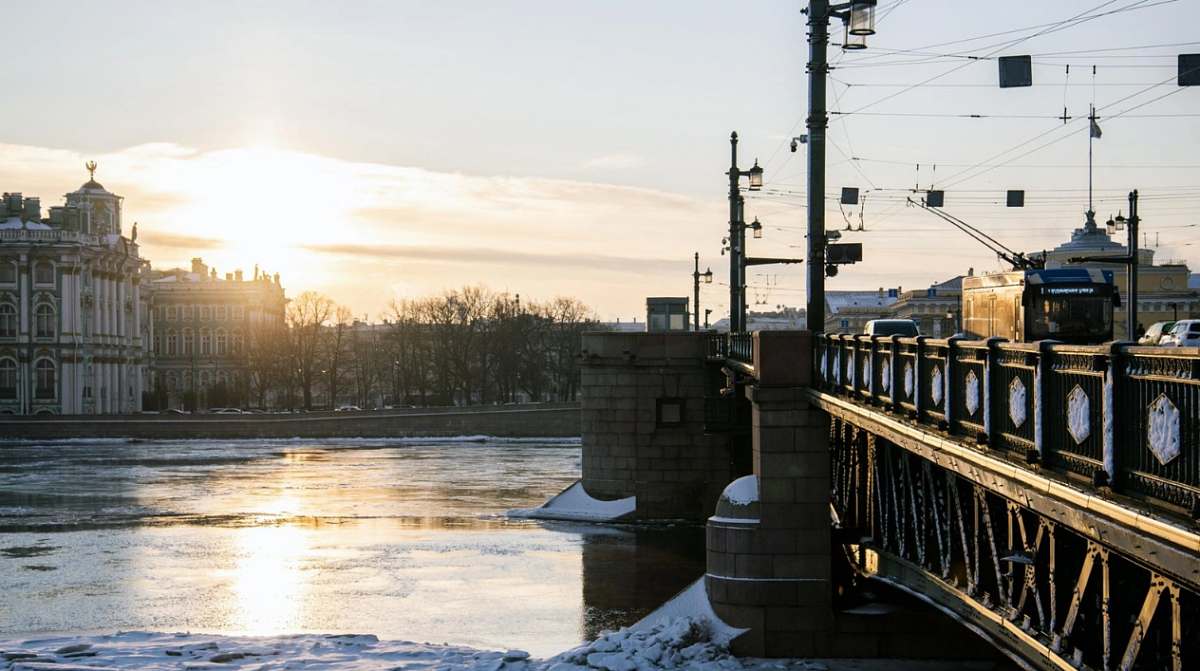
(849, 252)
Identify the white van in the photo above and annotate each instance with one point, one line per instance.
(904, 328)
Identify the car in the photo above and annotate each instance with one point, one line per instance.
(1185, 333)
(225, 411)
(172, 411)
(348, 408)
(905, 328)
(1155, 333)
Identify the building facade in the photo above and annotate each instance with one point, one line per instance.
(849, 311)
(202, 326)
(74, 323)
(937, 311)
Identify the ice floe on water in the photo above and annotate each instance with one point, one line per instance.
(573, 503)
(672, 643)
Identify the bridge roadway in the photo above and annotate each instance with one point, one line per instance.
(1044, 494)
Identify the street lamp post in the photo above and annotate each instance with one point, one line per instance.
(859, 20)
(737, 236)
(696, 277)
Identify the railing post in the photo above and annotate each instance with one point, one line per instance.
(873, 357)
(952, 347)
(920, 369)
(1045, 356)
(1112, 427)
(992, 395)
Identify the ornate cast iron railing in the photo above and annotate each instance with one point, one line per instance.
(1039, 588)
(1115, 415)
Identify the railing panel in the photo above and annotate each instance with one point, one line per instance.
(883, 389)
(845, 360)
(1073, 410)
(1158, 455)
(716, 345)
(741, 348)
(1014, 379)
(933, 356)
(904, 374)
(969, 389)
(863, 368)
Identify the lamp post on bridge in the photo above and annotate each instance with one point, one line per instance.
(696, 277)
(737, 235)
(858, 19)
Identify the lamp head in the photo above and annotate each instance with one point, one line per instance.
(851, 41)
(756, 177)
(756, 226)
(708, 276)
(861, 21)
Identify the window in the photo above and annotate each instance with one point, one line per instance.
(8, 378)
(670, 412)
(222, 342)
(45, 321)
(239, 341)
(157, 342)
(238, 313)
(206, 342)
(8, 320)
(206, 313)
(172, 342)
(45, 379)
(188, 314)
(8, 272)
(189, 342)
(172, 314)
(43, 273)
(222, 313)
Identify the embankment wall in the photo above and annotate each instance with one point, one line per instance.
(540, 420)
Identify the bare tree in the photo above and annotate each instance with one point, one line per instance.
(306, 318)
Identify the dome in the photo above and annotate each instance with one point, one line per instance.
(1089, 240)
(739, 501)
(92, 185)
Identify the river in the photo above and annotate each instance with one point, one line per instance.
(405, 539)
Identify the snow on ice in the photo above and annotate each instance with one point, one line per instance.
(682, 643)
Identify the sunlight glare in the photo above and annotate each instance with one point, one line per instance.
(270, 584)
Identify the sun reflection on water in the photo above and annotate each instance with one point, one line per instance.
(270, 583)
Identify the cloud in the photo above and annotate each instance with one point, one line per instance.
(334, 226)
(463, 255)
(613, 161)
(168, 240)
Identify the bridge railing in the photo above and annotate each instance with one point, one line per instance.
(1116, 415)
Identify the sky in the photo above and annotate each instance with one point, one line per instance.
(385, 150)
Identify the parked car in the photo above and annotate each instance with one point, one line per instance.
(225, 411)
(1155, 333)
(905, 328)
(1185, 333)
(348, 408)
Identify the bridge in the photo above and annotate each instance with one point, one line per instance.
(1043, 495)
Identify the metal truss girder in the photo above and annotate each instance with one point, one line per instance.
(1163, 547)
(1023, 647)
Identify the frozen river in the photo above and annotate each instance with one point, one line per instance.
(407, 540)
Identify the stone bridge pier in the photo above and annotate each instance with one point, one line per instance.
(774, 566)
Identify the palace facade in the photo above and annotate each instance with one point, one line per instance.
(202, 324)
(74, 317)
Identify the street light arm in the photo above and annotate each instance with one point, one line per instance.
(765, 261)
